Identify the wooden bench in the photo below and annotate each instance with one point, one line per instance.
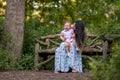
(98, 45)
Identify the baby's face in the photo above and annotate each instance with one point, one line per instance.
(67, 26)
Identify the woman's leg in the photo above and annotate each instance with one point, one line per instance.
(57, 60)
(61, 59)
(75, 59)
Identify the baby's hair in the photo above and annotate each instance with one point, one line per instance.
(67, 22)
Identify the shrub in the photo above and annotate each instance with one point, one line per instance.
(26, 62)
(109, 70)
(7, 61)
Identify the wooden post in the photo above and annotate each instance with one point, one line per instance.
(48, 43)
(36, 56)
(105, 50)
(45, 57)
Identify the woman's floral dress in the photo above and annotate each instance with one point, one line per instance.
(64, 61)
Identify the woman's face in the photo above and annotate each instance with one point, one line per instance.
(73, 26)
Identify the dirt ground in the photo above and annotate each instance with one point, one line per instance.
(42, 75)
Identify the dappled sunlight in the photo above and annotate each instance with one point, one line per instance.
(36, 13)
(2, 11)
(2, 8)
(4, 3)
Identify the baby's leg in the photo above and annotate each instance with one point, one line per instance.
(74, 43)
(67, 47)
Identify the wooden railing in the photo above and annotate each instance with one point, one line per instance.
(98, 45)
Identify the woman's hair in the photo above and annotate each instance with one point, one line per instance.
(79, 33)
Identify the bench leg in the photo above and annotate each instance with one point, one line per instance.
(36, 62)
(36, 57)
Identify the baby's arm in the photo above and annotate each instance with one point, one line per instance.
(62, 37)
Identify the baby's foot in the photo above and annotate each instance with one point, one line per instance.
(77, 49)
(68, 53)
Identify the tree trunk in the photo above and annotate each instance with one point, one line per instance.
(14, 26)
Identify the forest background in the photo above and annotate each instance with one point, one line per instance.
(45, 17)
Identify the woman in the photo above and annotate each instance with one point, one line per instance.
(63, 61)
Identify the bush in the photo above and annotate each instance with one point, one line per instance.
(1, 27)
(109, 70)
(26, 62)
(98, 71)
(7, 61)
(113, 70)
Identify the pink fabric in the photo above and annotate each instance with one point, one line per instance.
(68, 34)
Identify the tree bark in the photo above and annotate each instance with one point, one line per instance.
(14, 26)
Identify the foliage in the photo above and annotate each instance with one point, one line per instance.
(7, 36)
(1, 27)
(49, 66)
(97, 71)
(85, 64)
(26, 62)
(7, 61)
(97, 15)
(113, 70)
(109, 70)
